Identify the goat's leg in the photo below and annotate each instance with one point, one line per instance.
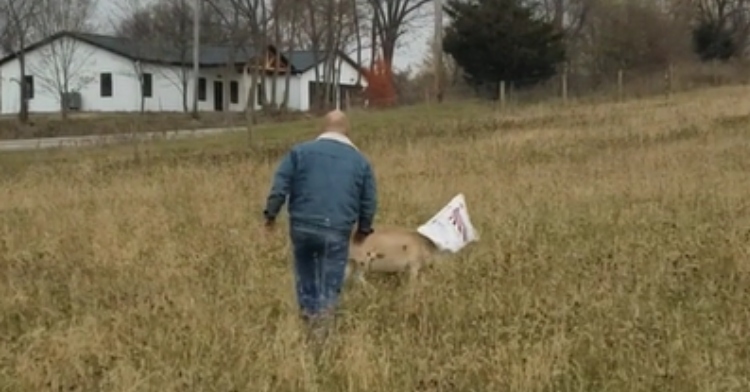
(413, 270)
(348, 271)
(359, 275)
(355, 271)
(411, 284)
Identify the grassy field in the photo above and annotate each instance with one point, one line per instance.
(91, 123)
(614, 257)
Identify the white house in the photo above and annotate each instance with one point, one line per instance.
(113, 74)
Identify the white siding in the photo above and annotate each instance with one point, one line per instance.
(214, 76)
(294, 98)
(347, 77)
(167, 90)
(88, 63)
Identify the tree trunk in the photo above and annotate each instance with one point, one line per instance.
(336, 62)
(337, 83)
(358, 37)
(143, 98)
(139, 75)
(276, 60)
(262, 32)
(63, 112)
(184, 83)
(23, 113)
(389, 49)
(315, 101)
(261, 75)
(330, 45)
(290, 49)
(250, 105)
(64, 106)
(374, 41)
(226, 91)
(251, 94)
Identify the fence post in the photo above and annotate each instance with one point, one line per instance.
(565, 84)
(671, 79)
(501, 94)
(668, 76)
(715, 72)
(620, 87)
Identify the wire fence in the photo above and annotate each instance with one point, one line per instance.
(575, 86)
(619, 85)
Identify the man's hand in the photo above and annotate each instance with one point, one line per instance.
(360, 235)
(269, 225)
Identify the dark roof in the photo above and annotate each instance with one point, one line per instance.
(210, 55)
(303, 60)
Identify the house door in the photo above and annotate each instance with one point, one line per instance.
(218, 96)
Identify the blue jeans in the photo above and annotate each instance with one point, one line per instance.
(320, 257)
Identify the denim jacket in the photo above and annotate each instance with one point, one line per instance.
(329, 184)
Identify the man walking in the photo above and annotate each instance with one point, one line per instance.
(331, 187)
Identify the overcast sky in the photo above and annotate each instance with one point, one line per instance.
(412, 47)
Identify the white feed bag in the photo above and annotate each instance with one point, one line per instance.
(451, 228)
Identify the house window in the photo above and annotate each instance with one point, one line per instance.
(105, 85)
(28, 82)
(234, 92)
(201, 89)
(147, 88)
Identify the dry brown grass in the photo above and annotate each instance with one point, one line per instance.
(92, 123)
(614, 257)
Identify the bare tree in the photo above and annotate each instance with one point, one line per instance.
(136, 25)
(173, 25)
(292, 29)
(357, 26)
(567, 15)
(425, 70)
(278, 8)
(285, 26)
(62, 66)
(339, 32)
(159, 31)
(391, 22)
(331, 27)
(639, 35)
(325, 28)
(235, 36)
(716, 11)
(17, 33)
(255, 15)
(315, 40)
(732, 16)
(162, 32)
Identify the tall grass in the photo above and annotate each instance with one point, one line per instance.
(614, 257)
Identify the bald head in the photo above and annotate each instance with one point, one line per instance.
(336, 121)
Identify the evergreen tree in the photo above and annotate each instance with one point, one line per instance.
(501, 40)
(712, 42)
